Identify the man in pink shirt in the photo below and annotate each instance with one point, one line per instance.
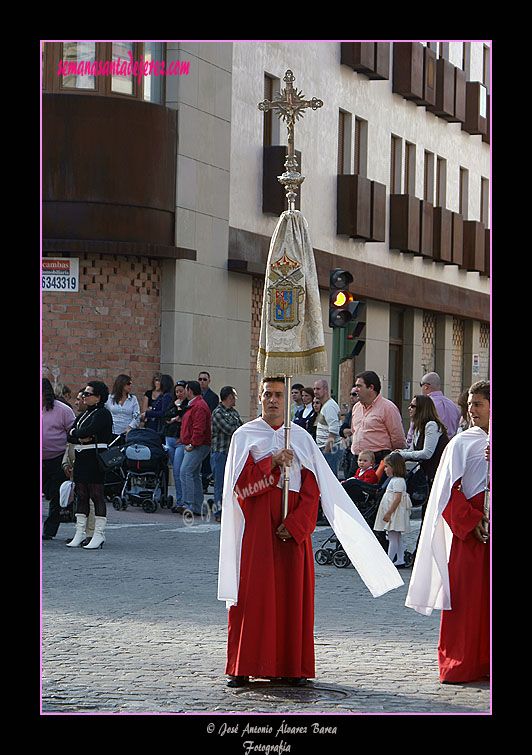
(376, 422)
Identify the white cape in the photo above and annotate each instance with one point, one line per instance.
(463, 457)
(258, 438)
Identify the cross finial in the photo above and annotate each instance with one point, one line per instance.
(290, 106)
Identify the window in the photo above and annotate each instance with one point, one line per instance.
(79, 53)
(463, 205)
(395, 165)
(466, 57)
(428, 182)
(267, 122)
(95, 68)
(344, 142)
(271, 125)
(486, 67)
(361, 147)
(395, 357)
(410, 168)
(441, 182)
(485, 202)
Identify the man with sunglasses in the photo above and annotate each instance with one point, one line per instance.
(212, 401)
(208, 395)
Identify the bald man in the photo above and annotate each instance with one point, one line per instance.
(447, 410)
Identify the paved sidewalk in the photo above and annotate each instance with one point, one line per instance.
(135, 628)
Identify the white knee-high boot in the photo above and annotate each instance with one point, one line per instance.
(98, 539)
(81, 528)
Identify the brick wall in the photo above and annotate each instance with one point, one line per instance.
(111, 326)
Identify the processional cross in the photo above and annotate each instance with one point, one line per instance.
(290, 106)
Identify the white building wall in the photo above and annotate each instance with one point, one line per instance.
(318, 73)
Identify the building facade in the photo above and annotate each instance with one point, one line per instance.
(165, 189)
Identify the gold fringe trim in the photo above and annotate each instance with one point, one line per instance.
(291, 354)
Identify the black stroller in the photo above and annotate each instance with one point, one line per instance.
(114, 478)
(146, 463)
(366, 497)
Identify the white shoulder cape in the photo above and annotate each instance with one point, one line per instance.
(258, 438)
(462, 458)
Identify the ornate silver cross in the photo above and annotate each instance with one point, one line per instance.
(290, 106)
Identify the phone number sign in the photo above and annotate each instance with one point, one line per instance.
(60, 274)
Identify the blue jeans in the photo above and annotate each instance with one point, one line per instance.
(179, 451)
(171, 444)
(218, 460)
(191, 478)
(333, 459)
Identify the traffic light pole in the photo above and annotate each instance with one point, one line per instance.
(337, 335)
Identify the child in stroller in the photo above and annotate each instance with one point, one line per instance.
(367, 497)
(146, 462)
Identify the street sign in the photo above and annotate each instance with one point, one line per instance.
(60, 274)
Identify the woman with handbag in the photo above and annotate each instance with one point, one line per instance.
(124, 407)
(91, 432)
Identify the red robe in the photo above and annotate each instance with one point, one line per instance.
(271, 628)
(464, 647)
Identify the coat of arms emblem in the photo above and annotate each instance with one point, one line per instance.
(284, 293)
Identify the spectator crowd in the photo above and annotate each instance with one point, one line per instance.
(196, 426)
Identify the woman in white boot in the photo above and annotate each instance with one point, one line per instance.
(92, 430)
(68, 468)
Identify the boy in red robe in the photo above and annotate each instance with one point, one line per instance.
(276, 594)
(452, 567)
(266, 573)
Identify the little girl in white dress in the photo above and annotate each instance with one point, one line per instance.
(393, 515)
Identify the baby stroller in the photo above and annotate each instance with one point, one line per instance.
(335, 554)
(114, 478)
(146, 462)
(366, 497)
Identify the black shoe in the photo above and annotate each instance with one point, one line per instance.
(294, 681)
(47, 537)
(238, 681)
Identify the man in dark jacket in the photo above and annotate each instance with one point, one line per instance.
(196, 437)
(208, 395)
(212, 401)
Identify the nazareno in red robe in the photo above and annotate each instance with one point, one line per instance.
(464, 646)
(271, 628)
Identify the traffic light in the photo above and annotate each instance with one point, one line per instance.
(342, 305)
(352, 345)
